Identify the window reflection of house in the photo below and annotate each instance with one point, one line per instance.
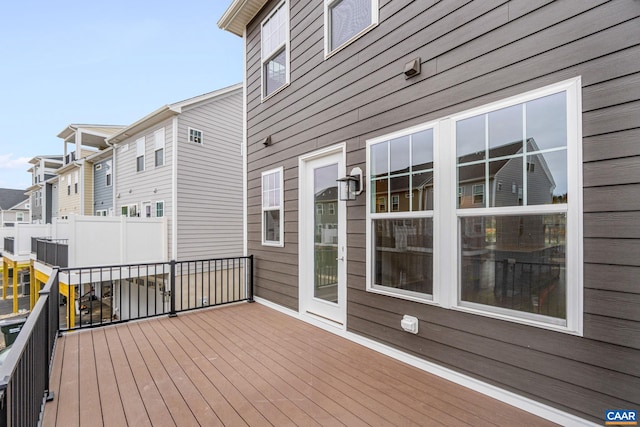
(326, 216)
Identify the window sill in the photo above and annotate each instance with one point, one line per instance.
(409, 296)
(504, 315)
(275, 92)
(273, 244)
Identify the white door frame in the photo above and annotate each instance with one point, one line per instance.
(305, 223)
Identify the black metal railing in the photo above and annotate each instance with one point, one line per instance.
(9, 245)
(69, 157)
(53, 252)
(34, 243)
(119, 293)
(24, 375)
(184, 285)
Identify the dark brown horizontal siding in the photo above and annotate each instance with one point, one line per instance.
(472, 53)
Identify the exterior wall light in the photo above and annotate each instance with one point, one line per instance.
(351, 185)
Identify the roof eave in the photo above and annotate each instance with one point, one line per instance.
(151, 119)
(239, 14)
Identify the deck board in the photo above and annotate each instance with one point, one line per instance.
(110, 398)
(249, 365)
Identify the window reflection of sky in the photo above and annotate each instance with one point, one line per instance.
(325, 177)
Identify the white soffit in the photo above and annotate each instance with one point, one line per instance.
(239, 14)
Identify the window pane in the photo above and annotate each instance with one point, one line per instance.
(515, 263)
(547, 178)
(159, 157)
(505, 127)
(379, 195)
(470, 139)
(348, 18)
(400, 188)
(504, 177)
(468, 177)
(422, 150)
(422, 191)
(399, 152)
(547, 121)
(272, 226)
(403, 255)
(275, 72)
(379, 159)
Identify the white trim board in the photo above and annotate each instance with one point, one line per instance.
(544, 411)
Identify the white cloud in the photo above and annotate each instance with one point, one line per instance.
(8, 162)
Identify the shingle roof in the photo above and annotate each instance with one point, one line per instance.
(9, 198)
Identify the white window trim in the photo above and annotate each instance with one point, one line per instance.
(108, 173)
(327, 33)
(384, 290)
(189, 129)
(446, 214)
(280, 208)
(155, 206)
(263, 97)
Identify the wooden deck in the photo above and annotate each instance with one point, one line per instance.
(247, 364)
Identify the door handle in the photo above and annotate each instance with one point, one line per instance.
(340, 259)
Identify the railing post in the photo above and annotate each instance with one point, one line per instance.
(46, 357)
(172, 283)
(251, 279)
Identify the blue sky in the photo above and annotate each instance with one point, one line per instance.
(110, 62)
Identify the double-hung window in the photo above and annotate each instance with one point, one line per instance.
(493, 221)
(109, 173)
(75, 182)
(158, 141)
(345, 20)
(402, 238)
(140, 154)
(275, 49)
(159, 209)
(272, 208)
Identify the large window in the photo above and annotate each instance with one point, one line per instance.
(140, 154)
(158, 142)
(485, 211)
(347, 19)
(275, 49)
(401, 170)
(272, 208)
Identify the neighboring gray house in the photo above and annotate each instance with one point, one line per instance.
(532, 299)
(43, 191)
(14, 207)
(102, 182)
(184, 162)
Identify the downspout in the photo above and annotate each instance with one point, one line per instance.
(174, 191)
(113, 176)
(245, 146)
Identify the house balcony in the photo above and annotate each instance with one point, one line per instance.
(70, 157)
(83, 241)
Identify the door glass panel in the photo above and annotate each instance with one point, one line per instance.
(325, 194)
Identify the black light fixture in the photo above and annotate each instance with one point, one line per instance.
(267, 141)
(351, 185)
